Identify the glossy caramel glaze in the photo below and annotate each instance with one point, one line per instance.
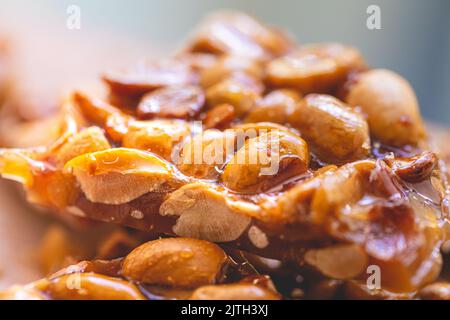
(356, 183)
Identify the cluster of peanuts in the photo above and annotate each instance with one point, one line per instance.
(188, 269)
(170, 268)
(356, 186)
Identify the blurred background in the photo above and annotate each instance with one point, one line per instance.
(48, 59)
(414, 39)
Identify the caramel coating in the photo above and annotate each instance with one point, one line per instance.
(175, 262)
(193, 204)
(148, 76)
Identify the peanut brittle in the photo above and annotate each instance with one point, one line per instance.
(172, 268)
(298, 153)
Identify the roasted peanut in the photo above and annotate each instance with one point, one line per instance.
(265, 161)
(238, 291)
(336, 133)
(226, 66)
(252, 130)
(348, 204)
(414, 169)
(177, 262)
(150, 75)
(338, 262)
(315, 68)
(198, 61)
(156, 136)
(278, 106)
(239, 34)
(435, 291)
(219, 117)
(94, 109)
(240, 91)
(391, 107)
(115, 122)
(88, 140)
(92, 286)
(182, 102)
(193, 202)
(116, 176)
(203, 155)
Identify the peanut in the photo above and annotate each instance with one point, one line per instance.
(336, 133)
(172, 102)
(436, 291)
(116, 176)
(92, 286)
(175, 262)
(265, 161)
(240, 91)
(391, 107)
(317, 68)
(238, 291)
(276, 107)
(226, 66)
